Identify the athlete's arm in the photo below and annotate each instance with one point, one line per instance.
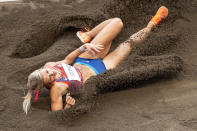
(70, 58)
(56, 92)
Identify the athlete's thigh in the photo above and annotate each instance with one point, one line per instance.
(113, 59)
(105, 37)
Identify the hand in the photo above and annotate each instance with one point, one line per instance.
(93, 48)
(69, 100)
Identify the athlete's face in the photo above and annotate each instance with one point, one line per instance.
(48, 75)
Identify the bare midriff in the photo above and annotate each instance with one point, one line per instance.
(85, 71)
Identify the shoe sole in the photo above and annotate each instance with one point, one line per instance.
(80, 37)
(165, 9)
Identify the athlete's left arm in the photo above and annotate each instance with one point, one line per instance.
(70, 101)
(56, 96)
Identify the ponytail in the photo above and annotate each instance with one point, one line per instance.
(35, 82)
(27, 101)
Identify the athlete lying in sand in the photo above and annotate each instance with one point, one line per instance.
(88, 60)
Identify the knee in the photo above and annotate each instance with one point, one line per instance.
(118, 22)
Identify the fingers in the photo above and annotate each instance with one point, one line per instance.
(98, 48)
(91, 51)
(95, 48)
(69, 99)
(68, 94)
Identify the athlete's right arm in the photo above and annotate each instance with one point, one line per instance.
(70, 58)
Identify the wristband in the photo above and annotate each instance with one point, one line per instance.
(82, 49)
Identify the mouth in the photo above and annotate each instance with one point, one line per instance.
(53, 78)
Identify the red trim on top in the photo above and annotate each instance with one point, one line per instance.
(63, 75)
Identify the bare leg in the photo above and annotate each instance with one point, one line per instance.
(92, 33)
(140, 36)
(105, 36)
(124, 49)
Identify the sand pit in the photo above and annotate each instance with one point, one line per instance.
(154, 89)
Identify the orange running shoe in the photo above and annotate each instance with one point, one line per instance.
(161, 14)
(83, 37)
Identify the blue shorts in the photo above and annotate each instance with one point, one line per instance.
(96, 65)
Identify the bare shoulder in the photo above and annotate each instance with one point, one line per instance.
(59, 88)
(49, 64)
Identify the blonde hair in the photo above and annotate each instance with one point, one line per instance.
(34, 82)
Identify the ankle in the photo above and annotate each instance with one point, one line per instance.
(150, 25)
